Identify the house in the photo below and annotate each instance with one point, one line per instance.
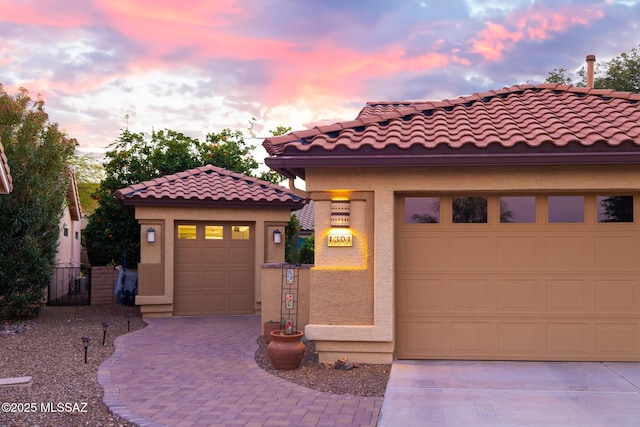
(305, 217)
(69, 246)
(504, 225)
(207, 236)
(6, 185)
(66, 279)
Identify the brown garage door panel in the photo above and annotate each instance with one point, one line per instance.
(188, 257)
(518, 292)
(214, 258)
(516, 339)
(214, 276)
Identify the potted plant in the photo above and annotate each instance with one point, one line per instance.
(286, 350)
(270, 326)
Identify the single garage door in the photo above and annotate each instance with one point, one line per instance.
(532, 277)
(214, 269)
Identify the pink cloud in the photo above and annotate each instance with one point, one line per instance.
(327, 70)
(527, 25)
(46, 13)
(333, 72)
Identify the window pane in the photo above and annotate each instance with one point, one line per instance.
(186, 232)
(240, 232)
(421, 210)
(215, 232)
(518, 209)
(615, 208)
(566, 209)
(469, 210)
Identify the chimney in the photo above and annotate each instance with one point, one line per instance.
(591, 61)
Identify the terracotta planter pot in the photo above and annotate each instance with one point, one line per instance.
(269, 327)
(286, 351)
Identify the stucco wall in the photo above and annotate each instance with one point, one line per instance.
(103, 282)
(68, 254)
(367, 339)
(271, 294)
(157, 258)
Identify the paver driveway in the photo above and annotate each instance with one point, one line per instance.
(201, 371)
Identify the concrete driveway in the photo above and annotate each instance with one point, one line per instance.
(451, 393)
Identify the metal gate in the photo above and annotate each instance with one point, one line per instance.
(70, 286)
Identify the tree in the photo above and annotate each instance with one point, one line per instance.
(136, 158)
(38, 153)
(558, 75)
(621, 73)
(89, 172)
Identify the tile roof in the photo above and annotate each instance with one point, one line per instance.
(6, 184)
(548, 123)
(209, 186)
(73, 197)
(306, 216)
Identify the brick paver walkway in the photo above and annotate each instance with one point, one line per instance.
(201, 371)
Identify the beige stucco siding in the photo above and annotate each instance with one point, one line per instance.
(383, 184)
(157, 259)
(69, 246)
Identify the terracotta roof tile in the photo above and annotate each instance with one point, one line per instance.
(306, 216)
(525, 114)
(210, 185)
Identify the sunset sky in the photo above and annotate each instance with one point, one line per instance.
(201, 66)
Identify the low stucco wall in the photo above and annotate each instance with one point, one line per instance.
(271, 293)
(103, 283)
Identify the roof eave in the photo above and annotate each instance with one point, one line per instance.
(166, 202)
(275, 164)
(299, 163)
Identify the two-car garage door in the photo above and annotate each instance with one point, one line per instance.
(532, 277)
(214, 268)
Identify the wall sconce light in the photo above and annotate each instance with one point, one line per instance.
(151, 235)
(340, 213)
(277, 236)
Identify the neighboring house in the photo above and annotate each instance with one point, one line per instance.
(6, 185)
(305, 217)
(66, 276)
(205, 235)
(503, 225)
(69, 246)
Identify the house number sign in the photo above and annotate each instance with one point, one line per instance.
(340, 240)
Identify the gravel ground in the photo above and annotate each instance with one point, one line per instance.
(362, 380)
(48, 348)
(65, 391)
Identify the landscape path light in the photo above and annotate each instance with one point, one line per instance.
(105, 326)
(128, 322)
(85, 344)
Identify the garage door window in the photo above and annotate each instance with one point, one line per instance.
(566, 209)
(520, 209)
(422, 210)
(186, 232)
(466, 210)
(214, 232)
(240, 232)
(615, 208)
